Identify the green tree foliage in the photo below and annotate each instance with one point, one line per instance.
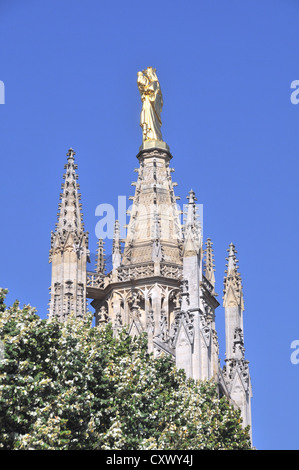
(73, 386)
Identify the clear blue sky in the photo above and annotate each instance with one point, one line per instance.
(69, 69)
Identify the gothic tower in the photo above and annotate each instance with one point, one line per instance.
(157, 283)
(162, 281)
(69, 250)
(143, 288)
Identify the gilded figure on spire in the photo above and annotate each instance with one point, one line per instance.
(152, 103)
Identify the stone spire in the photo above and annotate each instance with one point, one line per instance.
(236, 371)
(154, 214)
(69, 249)
(70, 216)
(209, 262)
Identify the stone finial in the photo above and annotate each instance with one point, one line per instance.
(232, 291)
(116, 246)
(71, 153)
(231, 259)
(69, 215)
(192, 228)
(191, 216)
(100, 258)
(209, 262)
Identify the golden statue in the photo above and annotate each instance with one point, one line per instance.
(152, 103)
